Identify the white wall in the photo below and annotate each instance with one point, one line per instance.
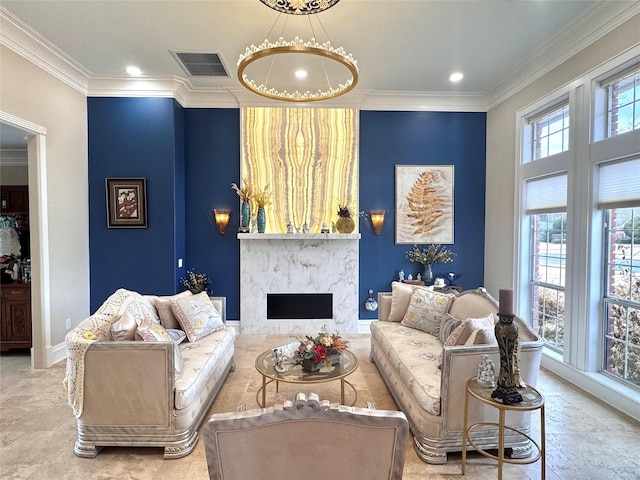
(580, 362)
(33, 95)
(501, 149)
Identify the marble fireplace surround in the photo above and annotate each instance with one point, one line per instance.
(298, 263)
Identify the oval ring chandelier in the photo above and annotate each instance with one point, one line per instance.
(340, 60)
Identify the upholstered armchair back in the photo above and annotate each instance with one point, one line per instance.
(306, 438)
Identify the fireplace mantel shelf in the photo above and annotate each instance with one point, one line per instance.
(298, 236)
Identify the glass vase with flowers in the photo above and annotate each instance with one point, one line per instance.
(429, 255)
(322, 350)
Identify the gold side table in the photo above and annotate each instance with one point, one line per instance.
(532, 400)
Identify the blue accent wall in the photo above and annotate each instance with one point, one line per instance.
(213, 163)
(190, 157)
(133, 137)
(179, 195)
(388, 139)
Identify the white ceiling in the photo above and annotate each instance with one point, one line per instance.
(402, 47)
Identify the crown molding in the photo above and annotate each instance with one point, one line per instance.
(424, 101)
(13, 158)
(179, 88)
(588, 28)
(26, 42)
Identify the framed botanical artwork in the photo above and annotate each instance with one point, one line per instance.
(424, 204)
(126, 203)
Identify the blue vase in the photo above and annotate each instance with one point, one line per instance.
(245, 214)
(262, 220)
(427, 274)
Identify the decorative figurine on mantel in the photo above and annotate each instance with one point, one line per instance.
(324, 229)
(289, 228)
(305, 228)
(419, 277)
(410, 277)
(401, 275)
(507, 336)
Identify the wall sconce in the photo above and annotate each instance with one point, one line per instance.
(377, 220)
(222, 219)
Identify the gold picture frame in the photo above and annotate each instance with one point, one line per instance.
(126, 203)
(424, 204)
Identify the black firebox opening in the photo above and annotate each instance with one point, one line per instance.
(283, 306)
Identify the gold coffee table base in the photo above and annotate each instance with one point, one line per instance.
(294, 374)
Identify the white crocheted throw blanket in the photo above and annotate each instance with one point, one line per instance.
(95, 328)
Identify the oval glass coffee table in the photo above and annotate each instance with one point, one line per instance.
(294, 374)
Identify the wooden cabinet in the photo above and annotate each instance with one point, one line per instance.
(15, 327)
(14, 199)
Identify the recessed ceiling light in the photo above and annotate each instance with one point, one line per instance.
(456, 77)
(134, 71)
(300, 74)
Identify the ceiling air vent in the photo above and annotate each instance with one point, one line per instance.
(201, 64)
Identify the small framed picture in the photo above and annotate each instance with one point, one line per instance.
(126, 203)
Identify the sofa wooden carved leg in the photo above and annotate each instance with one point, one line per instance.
(85, 450)
(181, 449)
(429, 456)
(523, 451)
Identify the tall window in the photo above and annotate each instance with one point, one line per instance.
(622, 300)
(551, 132)
(619, 188)
(623, 104)
(546, 206)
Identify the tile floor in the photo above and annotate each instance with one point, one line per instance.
(585, 438)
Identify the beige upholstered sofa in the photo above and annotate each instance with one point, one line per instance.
(427, 378)
(152, 391)
(306, 438)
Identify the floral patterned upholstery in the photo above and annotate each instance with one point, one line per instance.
(134, 394)
(427, 378)
(199, 362)
(415, 355)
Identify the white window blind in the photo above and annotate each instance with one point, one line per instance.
(619, 185)
(547, 195)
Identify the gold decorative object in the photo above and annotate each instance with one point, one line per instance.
(338, 79)
(345, 223)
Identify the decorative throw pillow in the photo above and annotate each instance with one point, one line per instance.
(151, 331)
(400, 298)
(197, 315)
(163, 305)
(461, 334)
(124, 329)
(482, 336)
(427, 310)
(176, 335)
(448, 325)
